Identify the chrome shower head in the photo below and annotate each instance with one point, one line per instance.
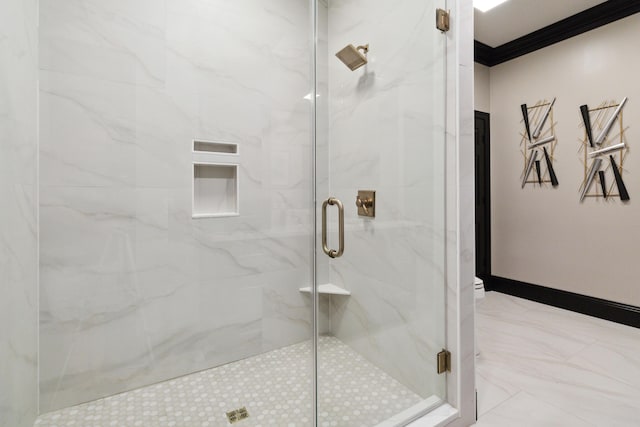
(352, 57)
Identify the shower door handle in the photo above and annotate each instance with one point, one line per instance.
(332, 252)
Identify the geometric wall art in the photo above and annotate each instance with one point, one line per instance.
(605, 149)
(538, 144)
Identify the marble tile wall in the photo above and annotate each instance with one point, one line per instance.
(133, 290)
(386, 133)
(460, 212)
(18, 212)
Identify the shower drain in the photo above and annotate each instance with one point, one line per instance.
(237, 415)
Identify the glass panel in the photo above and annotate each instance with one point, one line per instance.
(381, 128)
(140, 283)
(18, 213)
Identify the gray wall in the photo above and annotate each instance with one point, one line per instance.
(546, 236)
(18, 212)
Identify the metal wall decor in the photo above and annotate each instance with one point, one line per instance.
(539, 144)
(605, 149)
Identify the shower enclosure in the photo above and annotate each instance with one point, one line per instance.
(226, 212)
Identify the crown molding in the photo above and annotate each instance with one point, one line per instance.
(587, 20)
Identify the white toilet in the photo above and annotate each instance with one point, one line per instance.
(479, 293)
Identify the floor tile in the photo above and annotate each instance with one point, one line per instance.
(620, 361)
(587, 368)
(517, 335)
(524, 410)
(275, 388)
(495, 302)
(492, 393)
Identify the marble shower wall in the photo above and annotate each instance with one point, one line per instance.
(133, 290)
(18, 212)
(386, 133)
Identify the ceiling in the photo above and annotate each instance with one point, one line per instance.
(516, 18)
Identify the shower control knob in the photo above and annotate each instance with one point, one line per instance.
(363, 204)
(365, 201)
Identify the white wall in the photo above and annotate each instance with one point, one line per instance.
(18, 212)
(546, 236)
(481, 89)
(460, 199)
(133, 290)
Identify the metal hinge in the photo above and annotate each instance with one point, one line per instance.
(442, 20)
(444, 361)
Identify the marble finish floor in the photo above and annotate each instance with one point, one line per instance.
(543, 366)
(274, 387)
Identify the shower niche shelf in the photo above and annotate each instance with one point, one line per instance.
(213, 147)
(327, 289)
(215, 190)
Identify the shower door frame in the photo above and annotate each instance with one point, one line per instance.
(459, 407)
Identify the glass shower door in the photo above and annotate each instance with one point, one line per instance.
(380, 171)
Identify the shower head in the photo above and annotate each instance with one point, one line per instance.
(352, 57)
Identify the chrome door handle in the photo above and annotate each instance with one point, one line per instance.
(332, 252)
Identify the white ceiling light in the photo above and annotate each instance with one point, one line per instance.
(485, 5)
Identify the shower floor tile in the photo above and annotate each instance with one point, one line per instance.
(274, 387)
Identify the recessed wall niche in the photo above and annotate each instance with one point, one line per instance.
(215, 190)
(214, 147)
(215, 179)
